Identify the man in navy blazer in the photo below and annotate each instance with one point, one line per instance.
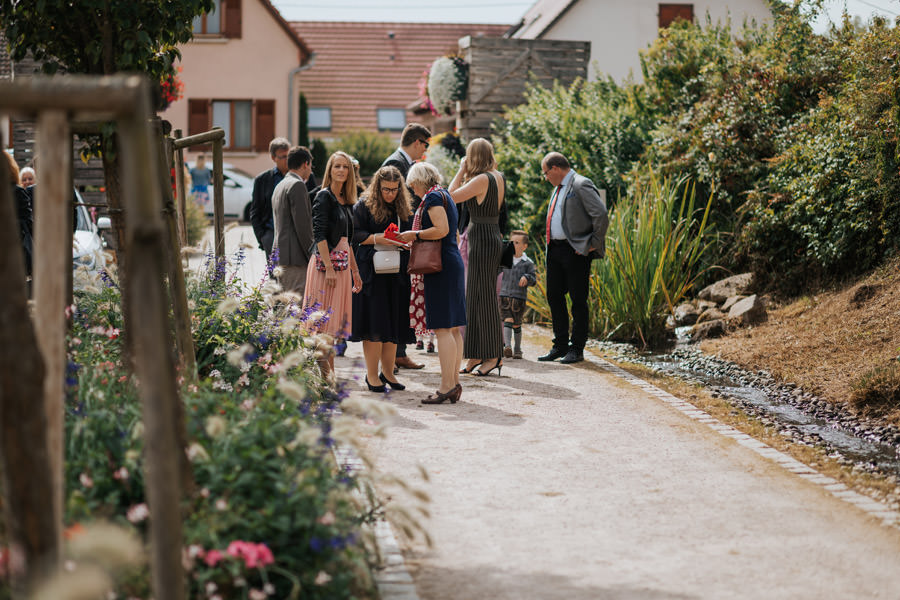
(413, 144)
(576, 234)
(261, 217)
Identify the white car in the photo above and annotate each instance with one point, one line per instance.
(238, 187)
(87, 245)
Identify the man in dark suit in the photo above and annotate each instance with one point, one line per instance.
(261, 204)
(413, 144)
(292, 214)
(576, 235)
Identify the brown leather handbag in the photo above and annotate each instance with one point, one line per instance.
(425, 255)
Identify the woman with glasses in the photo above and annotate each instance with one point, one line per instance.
(381, 309)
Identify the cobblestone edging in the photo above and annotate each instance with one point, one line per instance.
(872, 507)
(392, 580)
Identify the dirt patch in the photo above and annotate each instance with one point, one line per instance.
(827, 343)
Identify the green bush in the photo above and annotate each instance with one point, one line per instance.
(196, 221)
(600, 127)
(368, 147)
(271, 509)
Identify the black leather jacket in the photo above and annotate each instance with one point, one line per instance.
(331, 220)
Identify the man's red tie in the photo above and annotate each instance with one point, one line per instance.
(552, 207)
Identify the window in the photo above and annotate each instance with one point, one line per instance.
(391, 119)
(210, 23)
(223, 20)
(669, 13)
(318, 119)
(249, 124)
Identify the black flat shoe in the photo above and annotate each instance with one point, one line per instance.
(573, 356)
(375, 388)
(394, 385)
(498, 365)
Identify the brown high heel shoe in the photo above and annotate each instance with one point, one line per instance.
(439, 398)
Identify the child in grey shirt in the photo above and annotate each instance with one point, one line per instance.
(514, 294)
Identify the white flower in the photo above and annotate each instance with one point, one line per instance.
(86, 480)
(196, 452)
(227, 306)
(446, 83)
(221, 504)
(138, 513)
(256, 594)
(322, 578)
(215, 426)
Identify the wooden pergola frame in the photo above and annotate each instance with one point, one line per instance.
(31, 446)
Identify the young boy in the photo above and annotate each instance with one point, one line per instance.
(514, 293)
(200, 177)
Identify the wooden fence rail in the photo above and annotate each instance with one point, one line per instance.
(56, 101)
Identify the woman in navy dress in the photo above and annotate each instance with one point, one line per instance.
(445, 299)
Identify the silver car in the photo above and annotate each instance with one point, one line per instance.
(238, 186)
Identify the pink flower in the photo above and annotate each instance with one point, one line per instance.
(254, 555)
(213, 557)
(264, 555)
(138, 513)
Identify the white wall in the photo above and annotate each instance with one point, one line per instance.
(618, 29)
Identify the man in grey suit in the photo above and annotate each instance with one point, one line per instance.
(292, 213)
(576, 234)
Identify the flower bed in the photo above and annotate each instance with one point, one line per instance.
(271, 513)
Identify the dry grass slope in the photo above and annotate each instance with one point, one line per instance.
(843, 345)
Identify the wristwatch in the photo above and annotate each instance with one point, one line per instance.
(418, 239)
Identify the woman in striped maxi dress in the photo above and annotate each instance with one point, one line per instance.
(481, 186)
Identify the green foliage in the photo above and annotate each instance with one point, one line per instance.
(303, 135)
(99, 37)
(320, 156)
(196, 220)
(261, 424)
(368, 147)
(657, 246)
(600, 127)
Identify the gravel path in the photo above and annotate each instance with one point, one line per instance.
(558, 481)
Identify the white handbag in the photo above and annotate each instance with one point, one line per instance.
(386, 259)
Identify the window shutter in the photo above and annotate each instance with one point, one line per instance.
(232, 18)
(198, 119)
(265, 124)
(668, 13)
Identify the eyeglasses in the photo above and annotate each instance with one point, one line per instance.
(281, 157)
(547, 171)
(390, 190)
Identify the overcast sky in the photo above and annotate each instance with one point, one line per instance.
(487, 11)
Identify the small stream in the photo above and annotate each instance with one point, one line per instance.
(861, 443)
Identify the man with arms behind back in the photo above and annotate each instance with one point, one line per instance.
(292, 214)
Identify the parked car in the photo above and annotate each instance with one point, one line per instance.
(238, 187)
(87, 245)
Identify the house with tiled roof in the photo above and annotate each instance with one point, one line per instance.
(238, 74)
(619, 29)
(367, 75)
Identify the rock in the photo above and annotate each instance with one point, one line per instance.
(710, 314)
(704, 304)
(735, 285)
(708, 329)
(686, 314)
(748, 311)
(732, 301)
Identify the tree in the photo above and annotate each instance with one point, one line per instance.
(102, 37)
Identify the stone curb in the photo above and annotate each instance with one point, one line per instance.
(874, 508)
(392, 579)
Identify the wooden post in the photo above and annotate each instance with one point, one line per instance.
(152, 356)
(182, 194)
(219, 200)
(52, 269)
(32, 530)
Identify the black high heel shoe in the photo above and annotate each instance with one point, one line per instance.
(380, 389)
(498, 365)
(394, 385)
(466, 370)
(439, 398)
